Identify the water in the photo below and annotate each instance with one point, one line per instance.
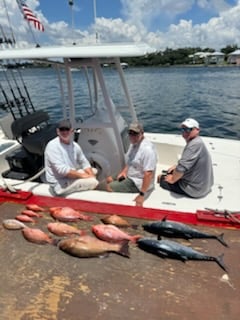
(163, 97)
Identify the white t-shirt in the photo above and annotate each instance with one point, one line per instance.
(60, 158)
(140, 158)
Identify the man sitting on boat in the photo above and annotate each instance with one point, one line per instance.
(67, 168)
(193, 175)
(139, 173)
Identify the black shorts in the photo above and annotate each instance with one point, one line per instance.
(174, 187)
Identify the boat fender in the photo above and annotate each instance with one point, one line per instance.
(100, 163)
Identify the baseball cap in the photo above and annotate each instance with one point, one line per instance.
(190, 123)
(136, 127)
(65, 124)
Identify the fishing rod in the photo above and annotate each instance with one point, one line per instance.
(15, 99)
(26, 90)
(9, 103)
(24, 100)
(13, 41)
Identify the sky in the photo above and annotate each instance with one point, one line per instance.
(160, 23)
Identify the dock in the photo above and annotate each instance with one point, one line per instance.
(41, 282)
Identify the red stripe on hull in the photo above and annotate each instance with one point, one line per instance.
(124, 210)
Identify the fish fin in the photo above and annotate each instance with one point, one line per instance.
(183, 258)
(124, 250)
(104, 255)
(219, 261)
(221, 240)
(164, 218)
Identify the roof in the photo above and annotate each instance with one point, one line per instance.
(86, 51)
(236, 52)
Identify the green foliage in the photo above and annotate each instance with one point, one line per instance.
(168, 57)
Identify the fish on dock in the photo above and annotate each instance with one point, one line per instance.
(34, 207)
(89, 246)
(24, 218)
(62, 229)
(13, 224)
(173, 229)
(31, 213)
(175, 250)
(37, 236)
(116, 221)
(112, 233)
(67, 214)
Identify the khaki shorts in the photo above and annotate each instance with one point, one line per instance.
(77, 185)
(125, 186)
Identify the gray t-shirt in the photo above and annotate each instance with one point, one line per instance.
(196, 164)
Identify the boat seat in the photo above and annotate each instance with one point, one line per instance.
(34, 132)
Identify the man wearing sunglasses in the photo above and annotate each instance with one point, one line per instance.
(193, 174)
(67, 168)
(139, 173)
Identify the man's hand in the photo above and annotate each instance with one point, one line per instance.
(139, 200)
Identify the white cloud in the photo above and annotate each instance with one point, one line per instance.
(215, 5)
(218, 32)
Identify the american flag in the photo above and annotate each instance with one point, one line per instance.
(29, 15)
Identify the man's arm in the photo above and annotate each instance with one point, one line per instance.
(74, 174)
(147, 178)
(174, 177)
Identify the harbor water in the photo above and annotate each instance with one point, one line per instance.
(163, 97)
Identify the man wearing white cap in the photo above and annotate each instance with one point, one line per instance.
(193, 174)
(67, 169)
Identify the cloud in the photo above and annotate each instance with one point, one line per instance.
(135, 25)
(217, 6)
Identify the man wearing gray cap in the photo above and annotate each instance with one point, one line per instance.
(139, 173)
(193, 174)
(67, 168)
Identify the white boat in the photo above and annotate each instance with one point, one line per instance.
(103, 137)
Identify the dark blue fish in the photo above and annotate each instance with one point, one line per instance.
(175, 250)
(179, 230)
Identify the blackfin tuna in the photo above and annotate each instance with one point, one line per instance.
(179, 230)
(175, 250)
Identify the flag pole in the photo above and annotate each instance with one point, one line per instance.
(95, 18)
(70, 2)
(30, 17)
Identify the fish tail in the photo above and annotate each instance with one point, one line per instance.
(221, 240)
(55, 242)
(136, 238)
(124, 249)
(134, 226)
(86, 218)
(219, 261)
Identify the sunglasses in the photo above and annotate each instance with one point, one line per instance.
(133, 133)
(186, 129)
(64, 129)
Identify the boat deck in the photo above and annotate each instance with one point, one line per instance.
(42, 282)
(224, 194)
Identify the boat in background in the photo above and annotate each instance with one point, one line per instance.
(103, 136)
